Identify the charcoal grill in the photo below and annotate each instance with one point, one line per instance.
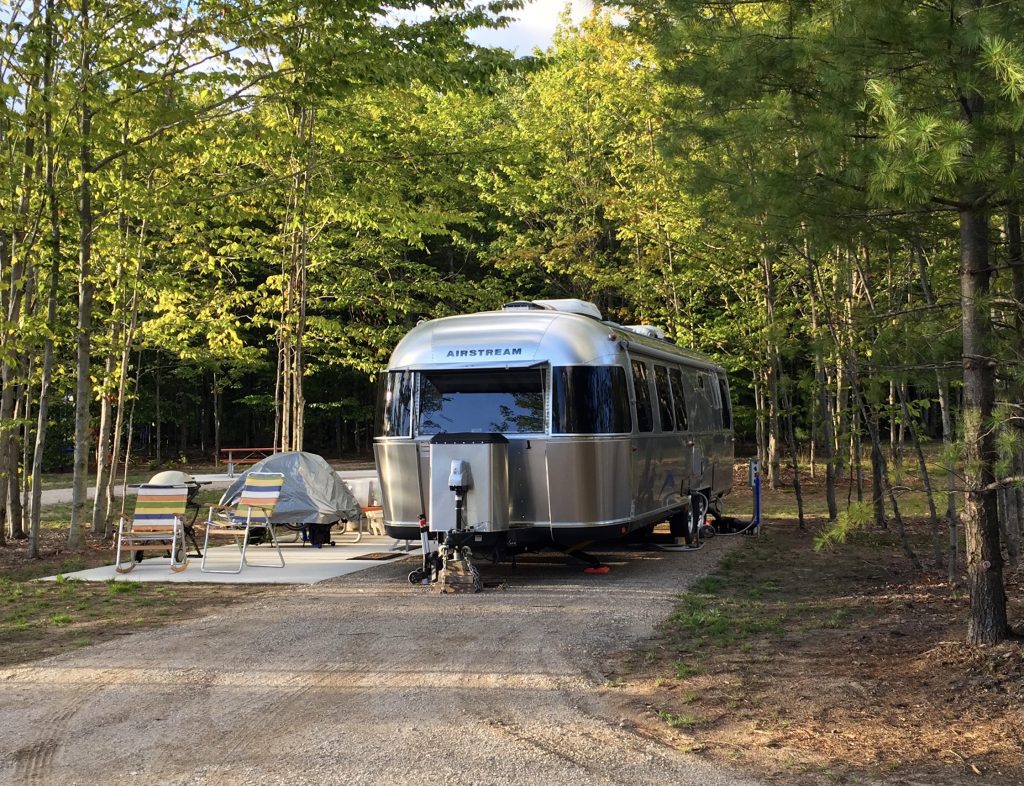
(172, 477)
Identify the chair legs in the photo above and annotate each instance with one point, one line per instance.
(121, 565)
(179, 552)
(243, 545)
(352, 537)
(273, 541)
(130, 547)
(234, 532)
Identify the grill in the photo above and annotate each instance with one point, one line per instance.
(173, 477)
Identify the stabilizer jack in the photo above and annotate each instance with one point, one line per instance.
(594, 565)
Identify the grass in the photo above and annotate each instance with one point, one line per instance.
(724, 621)
(679, 721)
(40, 618)
(833, 662)
(43, 618)
(685, 670)
(121, 587)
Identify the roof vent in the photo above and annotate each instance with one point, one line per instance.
(647, 330)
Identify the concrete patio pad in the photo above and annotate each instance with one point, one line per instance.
(303, 564)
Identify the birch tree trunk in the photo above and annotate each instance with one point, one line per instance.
(122, 389)
(83, 386)
(51, 299)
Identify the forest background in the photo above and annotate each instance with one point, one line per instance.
(218, 217)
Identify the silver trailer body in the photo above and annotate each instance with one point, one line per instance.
(608, 428)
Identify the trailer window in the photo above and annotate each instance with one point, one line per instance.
(397, 405)
(664, 392)
(678, 399)
(505, 401)
(642, 389)
(589, 400)
(723, 389)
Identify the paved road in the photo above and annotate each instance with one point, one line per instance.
(356, 478)
(365, 680)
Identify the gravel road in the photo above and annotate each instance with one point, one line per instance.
(365, 680)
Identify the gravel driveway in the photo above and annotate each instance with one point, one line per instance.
(365, 680)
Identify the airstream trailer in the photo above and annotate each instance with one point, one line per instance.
(543, 425)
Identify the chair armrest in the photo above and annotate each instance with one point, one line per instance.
(214, 508)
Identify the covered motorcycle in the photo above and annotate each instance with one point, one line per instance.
(313, 497)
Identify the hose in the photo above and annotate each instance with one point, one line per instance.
(700, 545)
(738, 532)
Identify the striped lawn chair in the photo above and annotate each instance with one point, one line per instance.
(157, 525)
(253, 510)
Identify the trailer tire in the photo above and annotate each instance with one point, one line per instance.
(679, 527)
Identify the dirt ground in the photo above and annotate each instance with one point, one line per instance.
(842, 666)
(365, 679)
(797, 666)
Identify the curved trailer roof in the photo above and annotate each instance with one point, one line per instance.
(527, 337)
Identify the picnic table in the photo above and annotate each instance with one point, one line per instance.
(235, 456)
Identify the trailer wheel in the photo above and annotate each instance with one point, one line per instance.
(679, 526)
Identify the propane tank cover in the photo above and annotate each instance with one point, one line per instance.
(460, 477)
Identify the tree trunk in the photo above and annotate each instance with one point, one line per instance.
(774, 462)
(159, 419)
(105, 463)
(103, 467)
(122, 389)
(908, 423)
(1011, 506)
(793, 456)
(13, 264)
(217, 415)
(51, 299)
(15, 511)
(83, 387)
(942, 386)
(877, 484)
(988, 622)
(827, 436)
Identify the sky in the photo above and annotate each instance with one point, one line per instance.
(533, 27)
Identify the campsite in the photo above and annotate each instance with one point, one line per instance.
(665, 683)
(511, 392)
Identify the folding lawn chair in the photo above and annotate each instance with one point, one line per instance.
(252, 512)
(156, 526)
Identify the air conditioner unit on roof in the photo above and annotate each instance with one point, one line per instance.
(572, 306)
(647, 330)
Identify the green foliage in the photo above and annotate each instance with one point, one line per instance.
(857, 516)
